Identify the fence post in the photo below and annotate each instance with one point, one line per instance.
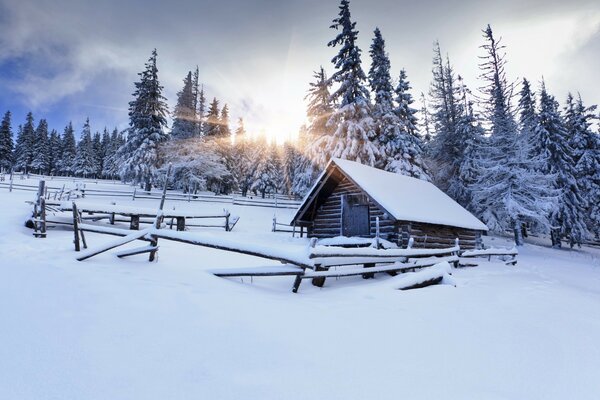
(226, 221)
(377, 232)
(274, 223)
(11, 182)
(76, 227)
(411, 241)
(134, 189)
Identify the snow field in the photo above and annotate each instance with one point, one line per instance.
(128, 329)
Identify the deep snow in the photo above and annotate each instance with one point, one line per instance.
(129, 329)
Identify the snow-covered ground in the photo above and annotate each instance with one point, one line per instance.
(110, 328)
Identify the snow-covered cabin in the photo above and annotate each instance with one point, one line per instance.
(348, 197)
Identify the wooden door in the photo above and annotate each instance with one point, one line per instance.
(355, 216)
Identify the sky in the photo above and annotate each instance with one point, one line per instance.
(68, 60)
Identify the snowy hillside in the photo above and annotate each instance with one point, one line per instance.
(125, 328)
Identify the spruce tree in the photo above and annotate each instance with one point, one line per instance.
(201, 112)
(405, 149)
(306, 172)
(268, 173)
(147, 124)
(508, 191)
(184, 115)
(246, 159)
(6, 143)
(198, 103)
(353, 129)
(568, 217)
(224, 130)
(446, 147)
(211, 124)
(41, 156)
(318, 112)
(84, 163)
(586, 154)
(25, 146)
(68, 151)
(55, 153)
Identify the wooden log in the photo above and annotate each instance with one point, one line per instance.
(370, 275)
(319, 281)
(136, 251)
(423, 284)
(181, 223)
(115, 243)
(83, 241)
(135, 223)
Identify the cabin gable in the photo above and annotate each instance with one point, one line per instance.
(329, 219)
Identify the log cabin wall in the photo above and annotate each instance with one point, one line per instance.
(328, 217)
(437, 236)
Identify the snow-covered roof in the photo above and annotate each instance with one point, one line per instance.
(405, 198)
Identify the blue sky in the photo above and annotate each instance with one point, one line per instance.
(66, 60)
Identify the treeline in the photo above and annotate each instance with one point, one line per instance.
(511, 154)
(37, 149)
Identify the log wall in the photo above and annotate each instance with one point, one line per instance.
(437, 236)
(328, 217)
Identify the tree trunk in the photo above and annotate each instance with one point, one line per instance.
(148, 185)
(555, 236)
(518, 233)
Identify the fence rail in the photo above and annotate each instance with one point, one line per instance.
(80, 190)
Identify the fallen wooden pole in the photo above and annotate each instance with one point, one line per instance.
(115, 243)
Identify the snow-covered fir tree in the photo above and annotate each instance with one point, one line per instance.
(55, 152)
(425, 121)
(25, 146)
(147, 124)
(40, 162)
(201, 112)
(305, 171)
(353, 131)
(508, 190)
(246, 156)
(184, 116)
(198, 94)
(211, 123)
(68, 151)
(446, 147)
(586, 154)
(386, 123)
(267, 179)
(224, 130)
(111, 161)
(568, 216)
(6, 143)
(405, 150)
(318, 112)
(84, 163)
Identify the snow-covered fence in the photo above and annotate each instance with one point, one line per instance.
(509, 256)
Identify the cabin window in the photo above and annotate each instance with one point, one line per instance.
(355, 215)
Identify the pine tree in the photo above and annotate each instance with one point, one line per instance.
(55, 152)
(98, 154)
(111, 162)
(586, 154)
(68, 151)
(25, 146)
(184, 115)
(201, 111)
(446, 147)
(147, 124)
(40, 161)
(6, 143)
(245, 160)
(306, 172)
(353, 129)
(224, 130)
(508, 190)
(84, 163)
(318, 113)
(198, 95)
(385, 120)
(405, 149)
(268, 173)
(211, 125)
(568, 217)
(425, 123)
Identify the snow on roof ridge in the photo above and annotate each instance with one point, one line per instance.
(426, 204)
